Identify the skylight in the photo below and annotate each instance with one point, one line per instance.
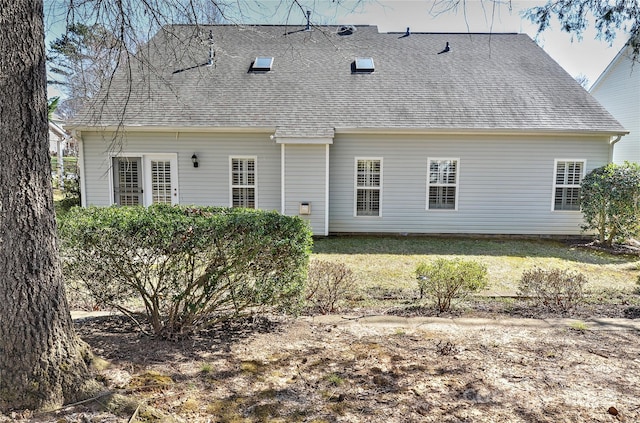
(262, 63)
(364, 64)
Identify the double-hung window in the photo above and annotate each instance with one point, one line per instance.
(368, 187)
(442, 184)
(567, 177)
(243, 182)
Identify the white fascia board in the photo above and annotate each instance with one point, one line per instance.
(329, 140)
(475, 131)
(179, 129)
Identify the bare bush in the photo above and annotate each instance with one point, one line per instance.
(447, 279)
(555, 289)
(328, 283)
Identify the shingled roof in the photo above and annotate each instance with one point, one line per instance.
(486, 82)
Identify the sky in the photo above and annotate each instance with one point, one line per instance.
(587, 57)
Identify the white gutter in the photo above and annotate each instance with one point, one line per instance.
(476, 131)
(177, 129)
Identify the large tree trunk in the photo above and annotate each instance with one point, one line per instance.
(42, 362)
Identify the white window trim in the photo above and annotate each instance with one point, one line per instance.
(145, 172)
(355, 187)
(457, 184)
(554, 185)
(255, 186)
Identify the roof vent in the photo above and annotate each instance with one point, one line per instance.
(308, 28)
(446, 49)
(406, 34)
(346, 30)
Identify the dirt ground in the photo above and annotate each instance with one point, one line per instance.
(359, 370)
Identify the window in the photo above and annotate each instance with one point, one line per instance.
(262, 64)
(243, 182)
(566, 184)
(364, 64)
(368, 186)
(127, 181)
(442, 184)
(161, 181)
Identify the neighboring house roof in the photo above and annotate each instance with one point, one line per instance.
(486, 82)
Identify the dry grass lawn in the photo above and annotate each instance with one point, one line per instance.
(389, 263)
(316, 371)
(307, 371)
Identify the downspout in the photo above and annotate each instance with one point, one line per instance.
(612, 142)
(326, 192)
(283, 175)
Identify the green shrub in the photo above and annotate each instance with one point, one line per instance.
(610, 202)
(328, 283)
(447, 279)
(555, 289)
(188, 266)
(71, 196)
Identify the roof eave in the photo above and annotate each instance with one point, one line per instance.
(483, 131)
(157, 128)
(349, 130)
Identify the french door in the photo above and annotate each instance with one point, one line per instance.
(145, 179)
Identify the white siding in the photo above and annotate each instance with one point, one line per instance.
(206, 185)
(505, 183)
(619, 92)
(305, 181)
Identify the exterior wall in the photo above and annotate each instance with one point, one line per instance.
(305, 180)
(206, 185)
(505, 183)
(619, 92)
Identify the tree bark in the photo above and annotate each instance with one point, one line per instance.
(42, 362)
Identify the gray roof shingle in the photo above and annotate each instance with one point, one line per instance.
(486, 82)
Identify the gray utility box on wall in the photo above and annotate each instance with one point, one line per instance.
(305, 208)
